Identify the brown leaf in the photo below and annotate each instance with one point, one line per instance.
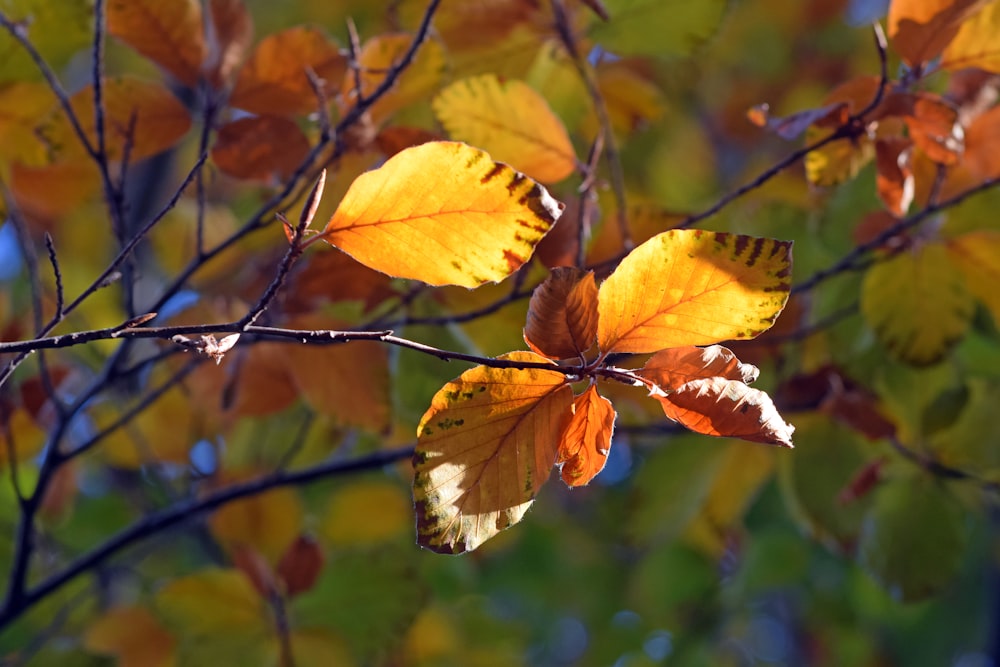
(391, 140)
(676, 366)
(260, 148)
(894, 174)
(921, 29)
(584, 446)
(335, 277)
(168, 33)
(230, 38)
(562, 314)
(301, 566)
(982, 153)
(717, 406)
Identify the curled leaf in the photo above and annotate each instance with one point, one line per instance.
(562, 314)
(674, 367)
(584, 447)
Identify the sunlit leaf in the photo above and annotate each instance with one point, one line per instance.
(913, 538)
(691, 287)
(717, 406)
(917, 303)
(367, 513)
(132, 635)
(262, 148)
(484, 449)
(274, 79)
(977, 43)
(977, 256)
(921, 29)
(562, 314)
(674, 367)
(170, 34)
(584, 447)
(443, 213)
(663, 28)
(511, 121)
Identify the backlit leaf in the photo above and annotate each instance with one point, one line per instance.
(132, 635)
(977, 43)
(443, 213)
(917, 303)
(511, 121)
(168, 33)
(274, 79)
(677, 366)
(562, 314)
(977, 256)
(484, 449)
(717, 406)
(691, 287)
(584, 447)
(921, 29)
(664, 28)
(261, 148)
(232, 36)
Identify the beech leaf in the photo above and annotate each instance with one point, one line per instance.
(977, 43)
(168, 33)
(485, 447)
(921, 29)
(132, 635)
(584, 447)
(677, 366)
(977, 256)
(260, 148)
(692, 287)
(444, 213)
(562, 314)
(717, 406)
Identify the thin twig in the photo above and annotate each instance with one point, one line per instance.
(50, 246)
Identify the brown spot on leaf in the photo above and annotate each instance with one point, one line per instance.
(492, 173)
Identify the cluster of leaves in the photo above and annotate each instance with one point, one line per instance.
(438, 139)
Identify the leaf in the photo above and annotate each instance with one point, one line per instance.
(913, 539)
(57, 30)
(336, 277)
(168, 33)
(841, 160)
(260, 148)
(977, 256)
(661, 28)
(367, 513)
(982, 145)
(717, 406)
(213, 602)
(932, 122)
(485, 447)
(300, 566)
(443, 213)
(511, 121)
(691, 287)
(917, 303)
(977, 43)
(584, 447)
(921, 29)
(142, 115)
(672, 368)
(562, 314)
(894, 177)
(231, 32)
(22, 103)
(790, 127)
(269, 522)
(274, 80)
(132, 635)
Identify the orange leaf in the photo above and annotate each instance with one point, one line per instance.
(168, 33)
(670, 369)
(982, 141)
(691, 287)
(921, 29)
(511, 121)
(584, 447)
(274, 79)
(717, 406)
(562, 315)
(301, 566)
(894, 175)
(485, 447)
(336, 277)
(977, 43)
(443, 213)
(268, 522)
(260, 148)
(231, 33)
(132, 635)
(932, 122)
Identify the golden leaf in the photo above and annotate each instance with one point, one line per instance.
(921, 29)
(485, 447)
(443, 213)
(692, 287)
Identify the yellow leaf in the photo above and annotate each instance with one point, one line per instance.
(168, 33)
(692, 287)
(662, 28)
(20, 434)
(22, 103)
(158, 119)
(670, 369)
(260, 148)
(132, 635)
(213, 602)
(443, 213)
(584, 447)
(921, 29)
(729, 408)
(977, 43)
(367, 513)
(917, 303)
(562, 314)
(511, 121)
(840, 160)
(162, 433)
(268, 522)
(977, 256)
(485, 447)
(274, 79)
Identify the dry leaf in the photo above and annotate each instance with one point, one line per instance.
(562, 314)
(677, 366)
(584, 446)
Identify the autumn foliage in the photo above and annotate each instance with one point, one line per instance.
(241, 239)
